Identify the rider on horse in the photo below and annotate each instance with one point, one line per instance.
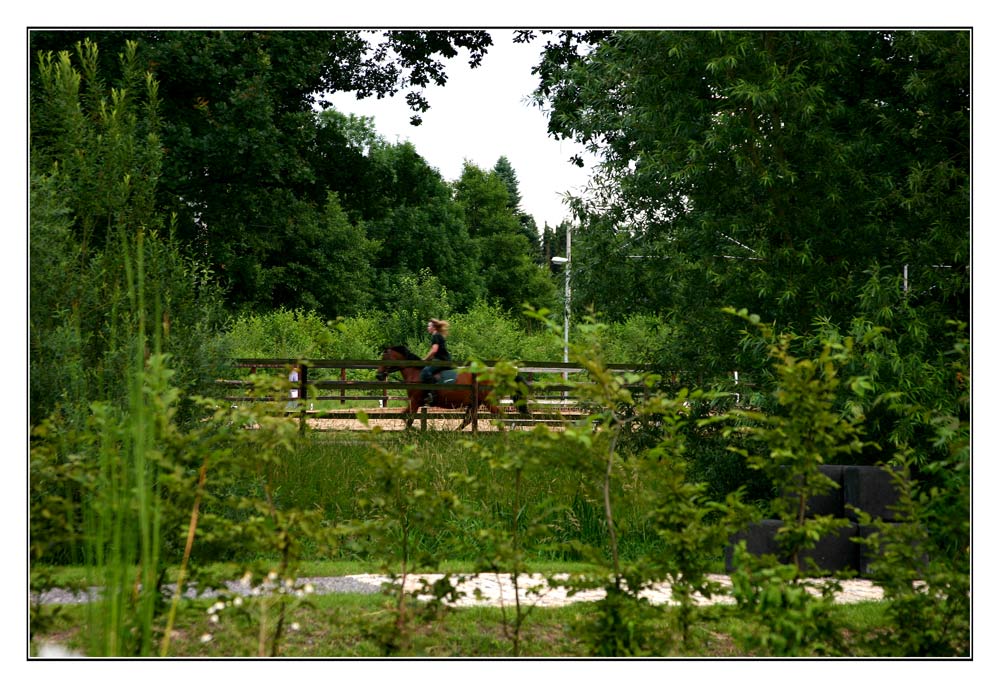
(438, 330)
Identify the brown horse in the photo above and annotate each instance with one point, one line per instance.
(445, 396)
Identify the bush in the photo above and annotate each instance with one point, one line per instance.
(637, 340)
(280, 334)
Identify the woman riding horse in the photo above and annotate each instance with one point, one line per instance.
(459, 395)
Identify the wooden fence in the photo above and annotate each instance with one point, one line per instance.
(553, 402)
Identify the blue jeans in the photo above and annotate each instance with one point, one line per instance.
(427, 374)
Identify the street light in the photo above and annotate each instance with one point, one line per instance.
(565, 260)
(559, 260)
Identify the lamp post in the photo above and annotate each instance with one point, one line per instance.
(566, 261)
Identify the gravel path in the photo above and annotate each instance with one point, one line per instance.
(492, 589)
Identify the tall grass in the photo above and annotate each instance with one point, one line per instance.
(122, 516)
(331, 473)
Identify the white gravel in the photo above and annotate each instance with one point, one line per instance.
(493, 589)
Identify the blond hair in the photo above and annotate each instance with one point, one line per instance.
(440, 326)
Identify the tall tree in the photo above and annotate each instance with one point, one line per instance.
(240, 135)
(507, 256)
(422, 227)
(529, 228)
(505, 171)
(344, 160)
(781, 171)
(95, 165)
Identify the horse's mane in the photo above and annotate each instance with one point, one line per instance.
(402, 349)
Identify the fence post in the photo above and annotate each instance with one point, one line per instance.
(475, 403)
(303, 379)
(423, 418)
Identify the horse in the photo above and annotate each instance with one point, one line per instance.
(445, 395)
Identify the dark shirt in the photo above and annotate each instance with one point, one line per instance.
(442, 352)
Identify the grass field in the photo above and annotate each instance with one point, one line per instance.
(349, 625)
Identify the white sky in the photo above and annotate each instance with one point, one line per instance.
(481, 114)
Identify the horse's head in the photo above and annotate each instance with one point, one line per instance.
(392, 353)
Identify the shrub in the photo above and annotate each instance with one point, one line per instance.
(281, 333)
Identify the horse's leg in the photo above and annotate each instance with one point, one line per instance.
(413, 407)
(495, 412)
(467, 418)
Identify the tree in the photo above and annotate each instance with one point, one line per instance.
(505, 171)
(95, 165)
(529, 228)
(241, 142)
(326, 267)
(422, 227)
(344, 157)
(485, 200)
(777, 171)
(507, 256)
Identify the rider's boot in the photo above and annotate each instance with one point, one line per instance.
(430, 398)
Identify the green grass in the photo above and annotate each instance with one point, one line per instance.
(346, 625)
(331, 473)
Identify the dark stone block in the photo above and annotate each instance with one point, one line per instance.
(759, 538)
(831, 503)
(832, 553)
(871, 489)
(868, 554)
(836, 551)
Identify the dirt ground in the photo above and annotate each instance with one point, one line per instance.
(485, 424)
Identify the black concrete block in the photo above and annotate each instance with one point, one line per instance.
(869, 554)
(871, 489)
(832, 502)
(836, 551)
(759, 538)
(832, 553)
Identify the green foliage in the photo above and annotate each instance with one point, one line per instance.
(910, 371)
(637, 339)
(415, 298)
(248, 166)
(688, 531)
(487, 332)
(358, 337)
(806, 433)
(125, 494)
(784, 618)
(282, 333)
(502, 539)
(101, 143)
(625, 508)
(420, 227)
(507, 255)
(927, 586)
(924, 561)
(326, 264)
(773, 170)
(101, 260)
(402, 508)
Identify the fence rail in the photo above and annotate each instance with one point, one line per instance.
(549, 403)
